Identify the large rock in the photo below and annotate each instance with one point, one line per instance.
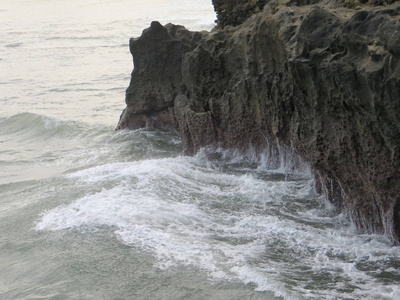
(324, 82)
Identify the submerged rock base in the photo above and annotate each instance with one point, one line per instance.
(324, 82)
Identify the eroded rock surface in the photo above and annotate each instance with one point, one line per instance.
(324, 82)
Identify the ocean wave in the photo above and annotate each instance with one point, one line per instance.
(14, 45)
(29, 127)
(84, 38)
(36, 146)
(232, 226)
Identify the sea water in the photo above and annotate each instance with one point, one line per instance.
(90, 213)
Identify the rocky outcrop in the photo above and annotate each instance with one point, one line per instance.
(324, 82)
(235, 12)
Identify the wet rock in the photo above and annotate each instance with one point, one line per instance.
(324, 82)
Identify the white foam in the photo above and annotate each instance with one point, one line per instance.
(185, 213)
(276, 158)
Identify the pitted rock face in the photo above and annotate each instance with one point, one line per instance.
(235, 12)
(157, 76)
(324, 82)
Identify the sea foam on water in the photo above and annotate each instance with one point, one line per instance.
(233, 226)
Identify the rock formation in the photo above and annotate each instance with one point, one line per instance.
(321, 79)
(235, 12)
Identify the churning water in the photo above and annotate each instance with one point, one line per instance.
(90, 213)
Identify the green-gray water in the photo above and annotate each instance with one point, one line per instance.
(90, 213)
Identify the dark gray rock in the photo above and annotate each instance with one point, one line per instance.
(235, 12)
(323, 82)
(157, 75)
